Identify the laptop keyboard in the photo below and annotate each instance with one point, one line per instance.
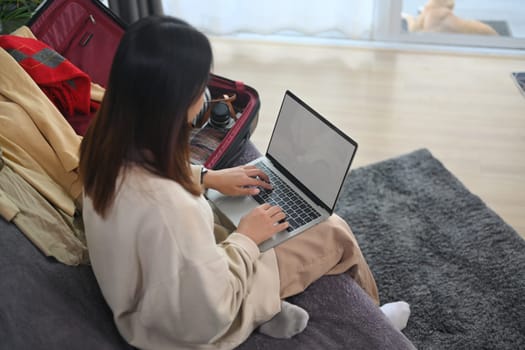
(298, 211)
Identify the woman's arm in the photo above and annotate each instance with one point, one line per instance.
(202, 286)
(262, 222)
(238, 181)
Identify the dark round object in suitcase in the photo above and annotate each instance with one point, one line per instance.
(220, 116)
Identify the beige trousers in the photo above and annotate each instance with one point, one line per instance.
(328, 248)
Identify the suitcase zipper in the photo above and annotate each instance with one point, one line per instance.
(84, 40)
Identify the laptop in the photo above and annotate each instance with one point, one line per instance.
(307, 161)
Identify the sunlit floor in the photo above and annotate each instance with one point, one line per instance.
(464, 108)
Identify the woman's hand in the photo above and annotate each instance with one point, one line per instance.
(262, 223)
(239, 181)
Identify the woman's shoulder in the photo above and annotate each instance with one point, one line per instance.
(146, 200)
(161, 204)
(137, 179)
(137, 183)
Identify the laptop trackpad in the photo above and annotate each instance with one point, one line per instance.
(233, 207)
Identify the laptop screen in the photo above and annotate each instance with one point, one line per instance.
(311, 149)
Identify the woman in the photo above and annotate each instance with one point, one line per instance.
(150, 231)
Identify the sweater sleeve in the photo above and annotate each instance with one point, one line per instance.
(201, 295)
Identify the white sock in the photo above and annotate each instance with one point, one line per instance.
(398, 313)
(290, 321)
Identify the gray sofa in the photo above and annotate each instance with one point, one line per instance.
(47, 305)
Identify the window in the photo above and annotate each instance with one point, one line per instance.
(378, 20)
(396, 20)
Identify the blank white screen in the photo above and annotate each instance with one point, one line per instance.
(317, 155)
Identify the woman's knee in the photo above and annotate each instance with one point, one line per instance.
(340, 230)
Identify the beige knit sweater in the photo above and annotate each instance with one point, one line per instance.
(169, 285)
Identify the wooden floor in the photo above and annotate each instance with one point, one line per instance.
(464, 108)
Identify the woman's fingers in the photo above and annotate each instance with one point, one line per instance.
(254, 172)
(274, 210)
(262, 222)
(245, 191)
(251, 181)
(280, 217)
(275, 213)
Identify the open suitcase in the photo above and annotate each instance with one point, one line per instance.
(87, 33)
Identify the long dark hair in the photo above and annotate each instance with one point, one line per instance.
(160, 69)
